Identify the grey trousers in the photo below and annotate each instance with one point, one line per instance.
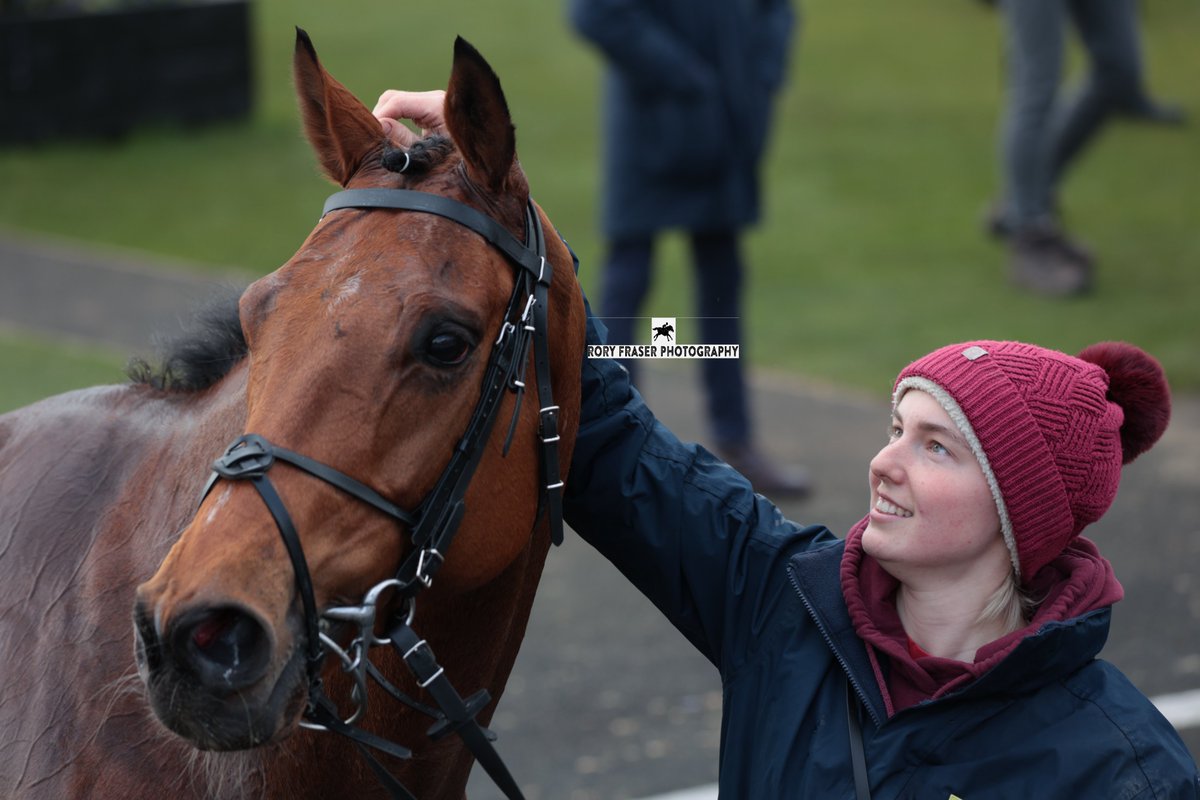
(1043, 132)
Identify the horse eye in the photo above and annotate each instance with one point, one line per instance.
(447, 349)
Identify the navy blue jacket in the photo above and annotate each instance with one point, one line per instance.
(688, 96)
(760, 596)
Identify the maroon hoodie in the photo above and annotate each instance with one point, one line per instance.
(1078, 581)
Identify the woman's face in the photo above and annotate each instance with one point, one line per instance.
(931, 509)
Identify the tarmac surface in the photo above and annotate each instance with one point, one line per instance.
(607, 700)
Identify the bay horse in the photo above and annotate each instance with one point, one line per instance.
(365, 357)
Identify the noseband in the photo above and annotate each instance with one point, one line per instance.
(433, 524)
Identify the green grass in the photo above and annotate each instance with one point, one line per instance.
(881, 164)
(34, 368)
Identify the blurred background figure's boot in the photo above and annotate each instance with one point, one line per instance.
(1044, 261)
(1158, 113)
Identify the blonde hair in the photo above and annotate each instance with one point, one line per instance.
(1010, 605)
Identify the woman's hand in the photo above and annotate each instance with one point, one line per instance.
(423, 108)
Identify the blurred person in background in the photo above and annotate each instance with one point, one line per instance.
(689, 91)
(1043, 134)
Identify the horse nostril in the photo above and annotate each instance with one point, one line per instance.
(225, 648)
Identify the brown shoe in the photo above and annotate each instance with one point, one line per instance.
(1044, 261)
(764, 475)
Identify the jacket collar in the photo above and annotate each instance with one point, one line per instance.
(1055, 650)
(814, 574)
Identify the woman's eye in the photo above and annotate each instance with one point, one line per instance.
(447, 349)
(894, 432)
(937, 448)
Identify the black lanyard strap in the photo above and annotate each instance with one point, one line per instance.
(858, 761)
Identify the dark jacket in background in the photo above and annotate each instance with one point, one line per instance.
(688, 97)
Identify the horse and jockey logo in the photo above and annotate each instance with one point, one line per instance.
(662, 327)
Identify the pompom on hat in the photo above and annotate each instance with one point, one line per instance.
(1051, 431)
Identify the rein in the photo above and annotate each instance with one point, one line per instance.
(433, 524)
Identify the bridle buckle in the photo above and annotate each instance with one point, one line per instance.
(250, 456)
(428, 563)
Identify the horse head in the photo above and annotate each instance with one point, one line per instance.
(367, 351)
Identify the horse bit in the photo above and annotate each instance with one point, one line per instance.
(435, 520)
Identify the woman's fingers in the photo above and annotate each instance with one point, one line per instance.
(423, 108)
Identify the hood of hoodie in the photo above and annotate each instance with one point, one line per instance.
(1073, 586)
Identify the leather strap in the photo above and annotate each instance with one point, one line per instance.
(251, 454)
(411, 200)
(459, 715)
(322, 713)
(862, 787)
(291, 540)
(552, 483)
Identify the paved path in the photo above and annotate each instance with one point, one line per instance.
(606, 700)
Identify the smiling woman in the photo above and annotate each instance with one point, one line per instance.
(934, 528)
(912, 638)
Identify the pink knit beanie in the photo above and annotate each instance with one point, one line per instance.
(1051, 431)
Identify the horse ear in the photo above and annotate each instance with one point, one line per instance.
(478, 120)
(341, 129)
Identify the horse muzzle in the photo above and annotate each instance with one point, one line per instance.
(208, 675)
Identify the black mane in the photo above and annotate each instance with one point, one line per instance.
(201, 356)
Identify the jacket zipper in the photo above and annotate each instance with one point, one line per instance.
(854, 684)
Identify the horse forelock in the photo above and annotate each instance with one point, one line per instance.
(420, 159)
(434, 164)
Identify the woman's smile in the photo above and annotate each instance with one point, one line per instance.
(888, 508)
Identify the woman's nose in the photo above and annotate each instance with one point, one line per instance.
(886, 464)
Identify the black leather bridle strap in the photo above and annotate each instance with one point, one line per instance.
(552, 483)
(409, 200)
(460, 717)
(252, 453)
(323, 714)
(344, 482)
(291, 540)
(468, 452)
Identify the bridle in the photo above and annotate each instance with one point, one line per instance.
(434, 522)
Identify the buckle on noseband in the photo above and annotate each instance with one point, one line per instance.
(250, 456)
